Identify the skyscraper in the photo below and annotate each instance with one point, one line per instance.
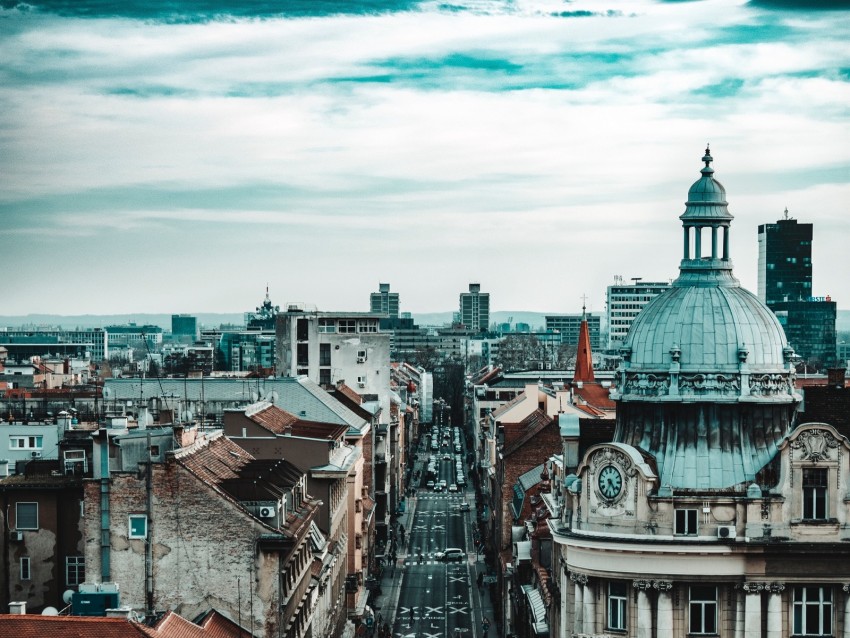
(785, 261)
(475, 309)
(785, 285)
(384, 302)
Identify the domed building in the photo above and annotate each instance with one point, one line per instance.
(713, 511)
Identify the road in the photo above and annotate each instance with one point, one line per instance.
(438, 598)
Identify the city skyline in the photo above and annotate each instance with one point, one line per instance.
(177, 162)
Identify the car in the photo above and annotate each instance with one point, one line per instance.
(443, 482)
(447, 457)
(465, 507)
(461, 481)
(452, 488)
(450, 553)
(438, 487)
(430, 485)
(457, 447)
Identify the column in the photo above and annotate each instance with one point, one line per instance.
(726, 242)
(564, 584)
(589, 609)
(665, 607)
(578, 602)
(846, 589)
(752, 609)
(644, 609)
(739, 612)
(687, 251)
(774, 610)
(714, 242)
(697, 242)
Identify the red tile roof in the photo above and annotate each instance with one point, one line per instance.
(279, 421)
(212, 625)
(271, 418)
(32, 626)
(584, 361)
(595, 395)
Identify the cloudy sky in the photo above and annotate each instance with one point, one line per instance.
(167, 156)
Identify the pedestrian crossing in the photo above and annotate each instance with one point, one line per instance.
(442, 497)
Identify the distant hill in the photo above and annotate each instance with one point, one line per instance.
(207, 319)
(99, 321)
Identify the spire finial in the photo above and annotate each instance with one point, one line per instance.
(583, 307)
(707, 158)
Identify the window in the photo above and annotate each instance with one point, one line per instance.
(26, 516)
(75, 570)
(302, 330)
(327, 325)
(325, 376)
(324, 354)
(303, 354)
(812, 611)
(25, 568)
(703, 610)
(347, 325)
(367, 326)
(138, 526)
(26, 442)
(815, 483)
(686, 522)
(617, 598)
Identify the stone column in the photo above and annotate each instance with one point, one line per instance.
(665, 607)
(752, 609)
(726, 242)
(589, 609)
(644, 609)
(578, 601)
(697, 242)
(774, 610)
(564, 584)
(846, 589)
(687, 243)
(739, 612)
(714, 242)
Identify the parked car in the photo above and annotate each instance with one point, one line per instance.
(465, 507)
(450, 553)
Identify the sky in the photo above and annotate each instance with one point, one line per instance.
(167, 156)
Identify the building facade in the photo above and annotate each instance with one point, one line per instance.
(475, 309)
(36, 341)
(384, 302)
(569, 326)
(624, 302)
(714, 510)
(785, 261)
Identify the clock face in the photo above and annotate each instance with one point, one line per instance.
(610, 482)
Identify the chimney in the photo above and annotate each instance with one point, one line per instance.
(835, 377)
(18, 608)
(120, 612)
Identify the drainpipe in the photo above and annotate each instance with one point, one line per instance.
(148, 538)
(105, 567)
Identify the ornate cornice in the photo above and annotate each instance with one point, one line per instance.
(579, 578)
(814, 445)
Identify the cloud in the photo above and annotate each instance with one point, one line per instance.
(489, 138)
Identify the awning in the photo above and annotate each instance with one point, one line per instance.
(538, 610)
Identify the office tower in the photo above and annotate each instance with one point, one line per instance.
(384, 302)
(785, 285)
(475, 309)
(184, 326)
(785, 261)
(625, 301)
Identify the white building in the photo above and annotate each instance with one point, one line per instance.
(624, 302)
(714, 511)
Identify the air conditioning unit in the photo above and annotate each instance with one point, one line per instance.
(16, 536)
(725, 531)
(36, 455)
(361, 359)
(266, 512)
(362, 384)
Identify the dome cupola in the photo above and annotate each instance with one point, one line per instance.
(706, 385)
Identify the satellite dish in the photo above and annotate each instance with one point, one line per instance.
(50, 611)
(66, 597)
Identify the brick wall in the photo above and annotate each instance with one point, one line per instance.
(203, 545)
(530, 454)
